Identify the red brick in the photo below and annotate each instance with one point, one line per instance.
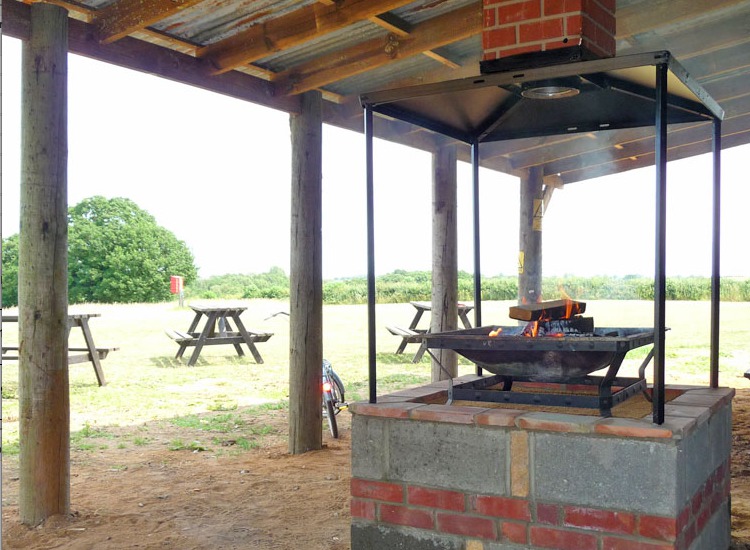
(378, 490)
(519, 11)
(470, 526)
(490, 18)
(659, 528)
(611, 543)
(556, 7)
(514, 532)
(502, 507)
(403, 515)
(362, 509)
(540, 30)
(573, 25)
(547, 514)
(523, 49)
(497, 38)
(436, 498)
(559, 539)
(599, 520)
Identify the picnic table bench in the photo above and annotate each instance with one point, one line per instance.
(91, 353)
(217, 330)
(413, 335)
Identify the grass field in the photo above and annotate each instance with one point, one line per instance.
(146, 383)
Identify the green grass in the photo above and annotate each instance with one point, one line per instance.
(226, 394)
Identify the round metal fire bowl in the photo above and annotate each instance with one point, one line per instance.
(544, 359)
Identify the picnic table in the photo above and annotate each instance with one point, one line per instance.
(90, 353)
(413, 334)
(217, 330)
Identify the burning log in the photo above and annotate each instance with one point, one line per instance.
(555, 309)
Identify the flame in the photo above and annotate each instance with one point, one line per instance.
(531, 329)
(572, 308)
(495, 333)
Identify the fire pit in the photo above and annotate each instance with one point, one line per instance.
(562, 351)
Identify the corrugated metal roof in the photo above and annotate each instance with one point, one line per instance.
(213, 20)
(267, 51)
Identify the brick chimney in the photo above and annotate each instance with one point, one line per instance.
(577, 29)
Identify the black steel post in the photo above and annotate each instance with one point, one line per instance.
(716, 255)
(370, 255)
(477, 262)
(660, 152)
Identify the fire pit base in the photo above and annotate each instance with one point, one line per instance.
(441, 477)
(486, 390)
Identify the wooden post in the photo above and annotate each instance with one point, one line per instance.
(43, 394)
(530, 240)
(306, 278)
(444, 256)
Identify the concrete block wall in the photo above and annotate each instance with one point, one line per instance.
(430, 477)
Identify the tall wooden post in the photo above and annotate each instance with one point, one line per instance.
(530, 238)
(44, 401)
(444, 256)
(306, 278)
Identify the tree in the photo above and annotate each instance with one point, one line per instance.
(118, 253)
(10, 271)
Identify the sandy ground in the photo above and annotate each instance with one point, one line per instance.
(150, 497)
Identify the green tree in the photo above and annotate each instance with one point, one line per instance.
(118, 253)
(10, 271)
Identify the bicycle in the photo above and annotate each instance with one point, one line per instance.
(333, 397)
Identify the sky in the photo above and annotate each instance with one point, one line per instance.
(216, 172)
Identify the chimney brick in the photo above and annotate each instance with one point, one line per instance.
(521, 26)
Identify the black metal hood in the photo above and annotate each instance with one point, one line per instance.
(612, 93)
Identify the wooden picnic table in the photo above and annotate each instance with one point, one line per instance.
(413, 334)
(218, 330)
(91, 353)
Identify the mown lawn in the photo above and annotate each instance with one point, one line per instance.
(146, 383)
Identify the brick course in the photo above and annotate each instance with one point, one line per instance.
(522, 26)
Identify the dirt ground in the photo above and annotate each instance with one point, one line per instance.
(148, 496)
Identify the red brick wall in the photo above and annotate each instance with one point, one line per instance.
(513, 27)
(536, 524)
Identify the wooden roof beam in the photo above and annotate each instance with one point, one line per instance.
(290, 30)
(400, 27)
(433, 33)
(124, 17)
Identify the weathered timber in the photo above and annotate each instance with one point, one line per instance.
(530, 236)
(306, 279)
(444, 257)
(43, 392)
(554, 309)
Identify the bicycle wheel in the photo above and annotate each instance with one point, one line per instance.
(331, 416)
(337, 390)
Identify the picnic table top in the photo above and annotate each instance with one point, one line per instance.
(71, 317)
(427, 306)
(199, 308)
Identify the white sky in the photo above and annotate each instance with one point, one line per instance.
(216, 172)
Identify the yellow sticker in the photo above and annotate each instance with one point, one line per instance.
(521, 259)
(536, 222)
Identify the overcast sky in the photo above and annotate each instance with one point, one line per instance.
(216, 172)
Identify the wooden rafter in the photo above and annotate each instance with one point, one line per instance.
(433, 33)
(290, 30)
(123, 17)
(399, 27)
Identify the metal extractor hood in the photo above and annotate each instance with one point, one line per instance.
(602, 94)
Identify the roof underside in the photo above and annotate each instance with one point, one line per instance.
(270, 51)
